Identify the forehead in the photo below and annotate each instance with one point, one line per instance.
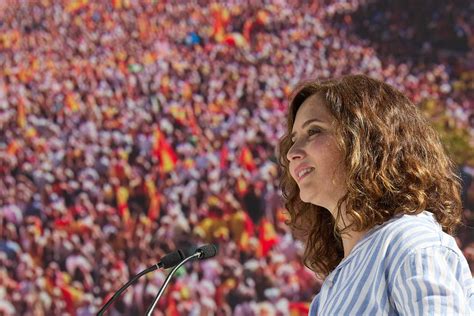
(314, 107)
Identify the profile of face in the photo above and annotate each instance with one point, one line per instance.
(315, 161)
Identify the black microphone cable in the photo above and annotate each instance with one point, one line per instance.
(168, 261)
(203, 252)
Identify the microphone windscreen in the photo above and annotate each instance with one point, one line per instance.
(207, 251)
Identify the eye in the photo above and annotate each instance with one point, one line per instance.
(313, 131)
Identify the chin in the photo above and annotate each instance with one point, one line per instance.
(306, 198)
(311, 199)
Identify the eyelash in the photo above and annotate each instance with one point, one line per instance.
(317, 130)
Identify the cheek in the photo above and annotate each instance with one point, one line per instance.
(328, 156)
(323, 149)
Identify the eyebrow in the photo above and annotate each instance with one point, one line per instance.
(306, 124)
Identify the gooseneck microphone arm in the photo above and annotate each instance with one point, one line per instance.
(204, 252)
(168, 278)
(124, 287)
(168, 261)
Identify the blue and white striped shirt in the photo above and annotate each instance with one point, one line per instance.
(406, 266)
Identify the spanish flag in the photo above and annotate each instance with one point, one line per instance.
(267, 237)
(13, 148)
(299, 308)
(122, 202)
(118, 4)
(154, 198)
(242, 229)
(67, 297)
(246, 159)
(71, 102)
(242, 186)
(178, 113)
(235, 39)
(163, 151)
(221, 19)
(76, 5)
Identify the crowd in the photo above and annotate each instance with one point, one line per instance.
(133, 128)
(442, 35)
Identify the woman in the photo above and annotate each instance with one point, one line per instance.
(370, 189)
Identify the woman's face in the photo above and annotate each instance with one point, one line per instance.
(315, 162)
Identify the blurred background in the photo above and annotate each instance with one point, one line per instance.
(131, 128)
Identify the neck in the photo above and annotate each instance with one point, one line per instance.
(350, 239)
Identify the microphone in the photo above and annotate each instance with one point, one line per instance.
(168, 261)
(207, 251)
(201, 253)
(172, 259)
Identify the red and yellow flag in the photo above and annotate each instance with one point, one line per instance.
(154, 198)
(119, 4)
(246, 159)
(242, 186)
(76, 5)
(299, 308)
(221, 19)
(71, 102)
(13, 147)
(242, 228)
(267, 237)
(122, 202)
(163, 152)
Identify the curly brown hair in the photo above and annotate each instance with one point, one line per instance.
(394, 161)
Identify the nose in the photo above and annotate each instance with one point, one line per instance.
(295, 152)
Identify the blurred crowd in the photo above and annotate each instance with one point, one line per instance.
(133, 128)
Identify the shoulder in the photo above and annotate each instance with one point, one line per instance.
(396, 239)
(393, 240)
(433, 279)
(403, 234)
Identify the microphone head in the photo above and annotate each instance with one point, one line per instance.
(207, 251)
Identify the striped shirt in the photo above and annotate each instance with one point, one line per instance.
(406, 266)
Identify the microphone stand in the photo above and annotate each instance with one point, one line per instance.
(168, 278)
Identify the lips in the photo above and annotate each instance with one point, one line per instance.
(301, 168)
(305, 173)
